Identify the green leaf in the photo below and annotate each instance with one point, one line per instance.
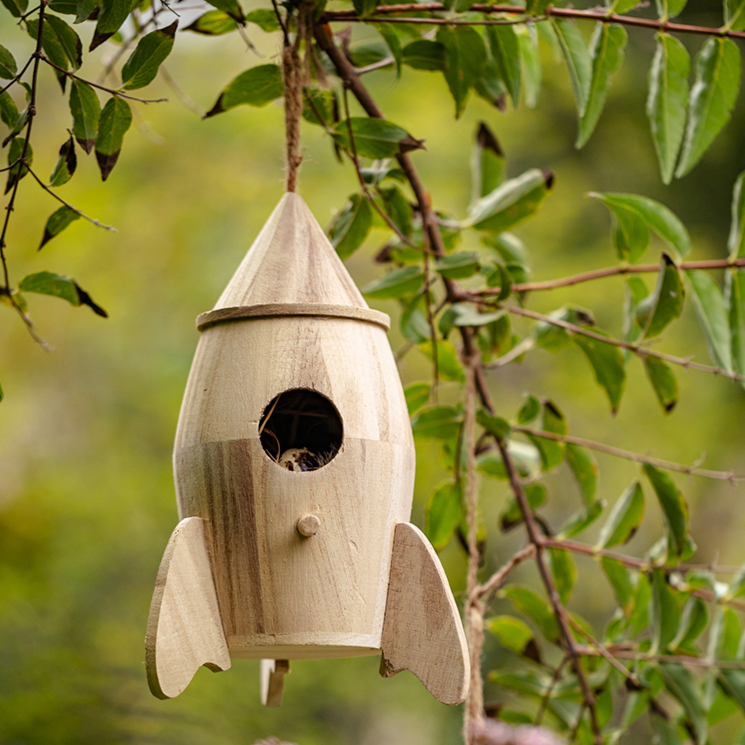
(577, 58)
(564, 571)
(443, 514)
(531, 64)
(734, 298)
(264, 18)
(84, 9)
(663, 380)
(86, 114)
(57, 285)
(712, 314)
(404, 281)
(665, 303)
(512, 516)
(674, 507)
(110, 19)
(712, 99)
(351, 226)
(388, 32)
(666, 731)
(665, 613)
(397, 207)
(655, 215)
(213, 23)
(736, 240)
(57, 222)
(68, 39)
(606, 52)
(116, 119)
(488, 167)
(505, 49)
(8, 67)
(257, 86)
(2, 394)
(607, 363)
(624, 519)
(375, 138)
(231, 7)
(323, 105)
(681, 683)
(448, 364)
(667, 9)
(52, 46)
(16, 7)
(437, 423)
(365, 7)
(19, 170)
(151, 51)
(417, 395)
(620, 580)
(459, 265)
(580, 521)
(692, 623)
(66, 164)
(734, 14)
(511, 203)
(414, 325)
(585, 469)
(529, 410)
(666, 103)
(551, 451)
(511, 632)
(526, 601)
(494, 425)
(423, 54)
(8, 109)
(490, 86)
(466, 57)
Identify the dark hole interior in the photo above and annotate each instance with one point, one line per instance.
(301, 430)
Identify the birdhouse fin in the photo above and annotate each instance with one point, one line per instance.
(184, 631)
(291, 261)
(422, 631)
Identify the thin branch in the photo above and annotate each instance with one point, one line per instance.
(675, 659)
(17, 78)
(591, 15)
(668, 465)
(91, 220)
(555, 678)
(517, 351)
(497, 579)
(181, 94)
(112, 91)
(640, 351)
(562, 617)
(613, 271)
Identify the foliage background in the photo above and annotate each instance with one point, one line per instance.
(86, 493)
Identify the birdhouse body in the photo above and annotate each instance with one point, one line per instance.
(294, 470)
(281, 594)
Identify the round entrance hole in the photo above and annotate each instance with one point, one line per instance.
(301, 430)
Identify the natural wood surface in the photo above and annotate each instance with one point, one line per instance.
(184, 631)
(422, 630)
(273, 680)
(301, 559)
(221, 315)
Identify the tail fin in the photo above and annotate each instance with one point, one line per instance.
(184, 630)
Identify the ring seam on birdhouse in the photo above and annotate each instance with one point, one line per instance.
(270, 310)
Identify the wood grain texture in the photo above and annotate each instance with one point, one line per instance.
(184, 630)
(290, 262)
(273, 681)
(222, 315)
(422, 630)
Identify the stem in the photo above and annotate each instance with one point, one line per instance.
(497, 579)
(639, 351)
(672, 658)
(91, 220)
(562, 617)
(550, 12)
(667, 465)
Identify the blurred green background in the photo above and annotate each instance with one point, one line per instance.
(86, 493)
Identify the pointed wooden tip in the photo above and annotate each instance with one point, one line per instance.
(422, 631)
(184, 630)
(291, 262)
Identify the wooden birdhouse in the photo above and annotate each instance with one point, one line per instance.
(294, 471)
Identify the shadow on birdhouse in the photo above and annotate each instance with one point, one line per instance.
(301, 430)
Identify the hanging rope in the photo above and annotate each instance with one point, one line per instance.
(294, 76)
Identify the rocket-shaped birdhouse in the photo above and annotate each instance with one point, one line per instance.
(294, 470)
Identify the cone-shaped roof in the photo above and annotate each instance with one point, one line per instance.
(291, 262)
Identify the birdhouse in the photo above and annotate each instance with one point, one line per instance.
(294, 471)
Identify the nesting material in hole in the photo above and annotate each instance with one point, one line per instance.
(301, 430)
